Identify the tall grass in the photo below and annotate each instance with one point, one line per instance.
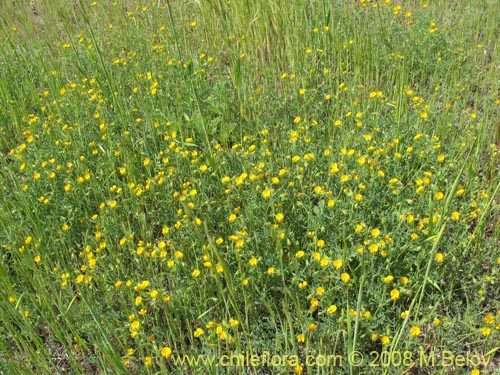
(209, 178)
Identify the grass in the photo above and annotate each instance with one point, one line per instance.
(214, 180)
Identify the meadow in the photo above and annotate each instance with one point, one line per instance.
(249, 187)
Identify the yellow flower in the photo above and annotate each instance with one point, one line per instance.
(489, 319)
(439, 195)
(299, 254)
(266, 194)
(196, 273)
(393, 181)
(166, 352)
(388, 279)
(415, 331)
(253, 261)
(337, 263)
(455, 215)
(436, 321)
(303, 284)
(486, 331)
(234, 322)
(344, 178)
(314, 303)
(211, 324)
(143, 285)
(385, 340)
(318, 189)
(345, 277)
(331, 309)
(320, 290)
(334, 168)
(134, 326)
(301, 337)
(320, 243)
(221, 333)
(439, 257)
(148, 361)
(395, 294)
(279, 217)
(199, 332)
